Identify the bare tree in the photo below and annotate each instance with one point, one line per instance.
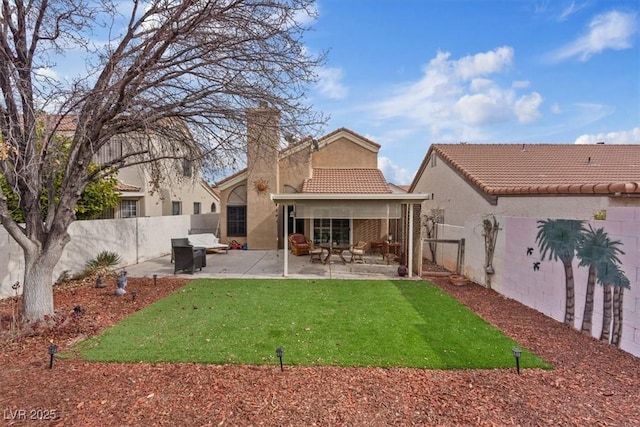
(167, 70)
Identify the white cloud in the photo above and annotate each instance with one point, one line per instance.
(484, 63)
(612, 30)
(622, 137)
(457, 98)
(527, 107)
(394, 173)
(555, 108)
(329, 83)
(570, 10)
(521, 84)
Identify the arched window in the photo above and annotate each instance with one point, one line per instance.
(214, 208)
(237, 212)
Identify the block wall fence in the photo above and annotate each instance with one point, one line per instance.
(521, 274)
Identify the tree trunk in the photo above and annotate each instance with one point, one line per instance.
(587, 315)
(606, 314)
(569, 311)
(618, 295)
(37, 296)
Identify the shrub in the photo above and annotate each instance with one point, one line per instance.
(104, 259)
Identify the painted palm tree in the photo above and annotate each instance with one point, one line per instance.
(618, 299)
(610, 277)
(595, 248)
(559, 238)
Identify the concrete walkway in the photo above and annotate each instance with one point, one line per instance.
(270, 264)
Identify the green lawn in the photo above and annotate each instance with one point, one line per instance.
(316, 322)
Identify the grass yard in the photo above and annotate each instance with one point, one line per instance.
(316, 322)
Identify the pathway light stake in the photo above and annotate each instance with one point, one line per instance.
(279, 352)
(52, 350)
(99, 283)
(155, 277)
(517, 353)
(134, 294)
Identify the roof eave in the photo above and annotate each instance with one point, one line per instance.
(400, 197)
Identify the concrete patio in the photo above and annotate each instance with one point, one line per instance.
(270, 264)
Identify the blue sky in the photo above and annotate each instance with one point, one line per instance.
(408, 73)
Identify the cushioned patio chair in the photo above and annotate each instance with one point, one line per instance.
(357, 251)
(188, 258)
(299, 244)
(315, 252)
(180, 241)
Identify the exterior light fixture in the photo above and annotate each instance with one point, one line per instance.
(155, 277)
(52, 350)
(134, 294)
(99, 282)
(517, 353)
(279, 353)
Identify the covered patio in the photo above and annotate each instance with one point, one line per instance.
(401, 209)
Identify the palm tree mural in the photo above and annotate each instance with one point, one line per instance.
(559, 239)
(595, 248)
(610, 277)
(618, 298)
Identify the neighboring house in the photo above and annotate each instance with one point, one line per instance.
(329, 189)
(184, 192)
(527, 180)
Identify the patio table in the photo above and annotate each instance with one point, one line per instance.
(334, 250)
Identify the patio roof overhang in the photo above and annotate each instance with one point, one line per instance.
(351, 205)
(289, 198)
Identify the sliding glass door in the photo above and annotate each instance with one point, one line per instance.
(335, 230)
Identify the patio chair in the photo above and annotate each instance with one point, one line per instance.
(188, 258)
(315, 253)
(357, 251)
(299, 244)
(181, 241)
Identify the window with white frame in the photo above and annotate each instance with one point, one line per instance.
(128, 208)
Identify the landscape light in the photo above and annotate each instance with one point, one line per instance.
(99, 283)
(52, 350)
(134, 294)
(155, 277)
(517, 353)
(279, 352)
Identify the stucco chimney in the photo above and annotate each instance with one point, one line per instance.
(263, 146)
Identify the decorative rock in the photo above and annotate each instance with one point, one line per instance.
(120, 291)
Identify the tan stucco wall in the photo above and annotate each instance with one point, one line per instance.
(344, 154)
(461, 202)
(294, 169)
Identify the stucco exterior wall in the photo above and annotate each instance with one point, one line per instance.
(294, 169)
(344, 154)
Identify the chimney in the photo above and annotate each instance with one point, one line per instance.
(263, 149)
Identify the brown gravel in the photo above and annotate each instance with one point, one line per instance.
(591, 384)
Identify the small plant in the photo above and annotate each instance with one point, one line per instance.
(104, 259)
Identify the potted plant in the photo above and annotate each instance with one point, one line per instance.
(458, 280)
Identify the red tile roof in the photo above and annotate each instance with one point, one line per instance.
(346, 181)
(122, 187)
(518, 169)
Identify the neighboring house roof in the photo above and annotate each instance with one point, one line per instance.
(525, 169)
(122, 187)
(346, 181)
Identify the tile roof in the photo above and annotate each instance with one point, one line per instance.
(518, 169)
(346, 181)
(122, 187)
